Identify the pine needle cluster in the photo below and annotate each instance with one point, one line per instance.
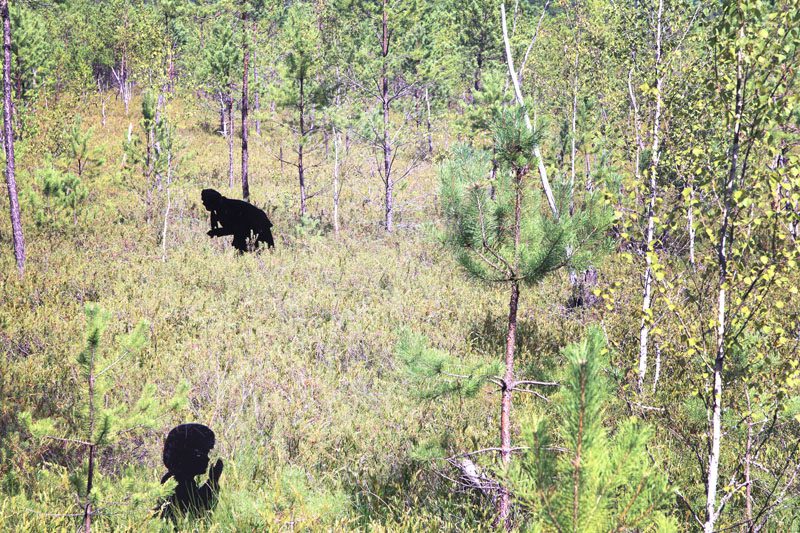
(481, 213)
(436, 373)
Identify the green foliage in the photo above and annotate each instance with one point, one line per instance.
(293, 356)
(435, 373)
(302, 42)
(481, 213)
(595, 481)
(31, 52)
(487, 107)
(86, 160)
(58, 198)
(153, 154)
(97, 420)
(309, 226)
(304, 88)
(222, 57)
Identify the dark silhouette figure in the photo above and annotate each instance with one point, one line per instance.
(186, 456)
(237, 218)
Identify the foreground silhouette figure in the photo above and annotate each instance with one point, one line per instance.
(186, 456)
(237, 218)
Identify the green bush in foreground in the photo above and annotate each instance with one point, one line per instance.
(574, 476)
(97, 421)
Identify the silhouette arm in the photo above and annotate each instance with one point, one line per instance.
(219, 232)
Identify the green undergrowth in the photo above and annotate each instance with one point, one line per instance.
(289, 354)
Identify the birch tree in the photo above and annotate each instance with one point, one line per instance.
(754, 86)
(8, 143)
(649, 252)
(729, 307)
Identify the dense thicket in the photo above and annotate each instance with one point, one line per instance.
(587, 210)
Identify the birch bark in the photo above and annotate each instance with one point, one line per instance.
(8, 143)
(723, 247)
(647, 312)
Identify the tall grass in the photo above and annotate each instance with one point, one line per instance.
(288, 353)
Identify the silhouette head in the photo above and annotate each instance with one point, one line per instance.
(186, 451)
(211, 199)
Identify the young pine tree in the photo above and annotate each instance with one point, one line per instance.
(82, 158)
(222, 58)
(154, 155)
(56, 198)
(98, 421)
(506, 237)
(579, 478)
(302, 90)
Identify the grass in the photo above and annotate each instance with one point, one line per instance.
(288, 353)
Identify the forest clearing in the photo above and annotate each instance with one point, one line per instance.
(495, 266)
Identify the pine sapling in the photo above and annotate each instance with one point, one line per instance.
(500, 234)
(574, 476)
(100, 418)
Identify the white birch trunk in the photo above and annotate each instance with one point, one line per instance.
(725, 242)
(548, 191)
(644, 330)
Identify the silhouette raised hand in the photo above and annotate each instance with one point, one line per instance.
(186, 456)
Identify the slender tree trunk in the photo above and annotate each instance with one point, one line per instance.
(245, 96)
(479, 67)
(171, 70)
(690, 227)
(223, 119)
(102, 94)
(156, 144)
(657, 373)
(573, 151)
(168, 207)
(548, 191)
(387, 146)
(87, 511)
(637, 125)
(231, 130)
(257, 95)
(748, 458)
(300, 169)
(573, 276)
(8, 143)
(589, 182)
(647, 311)
(725, 242)
(148, 163)
(125, 86)
(504, 502)
(428, 121)
(335, 182)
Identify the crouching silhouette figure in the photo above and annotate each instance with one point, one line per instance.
(186, 456)
(237, 218)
